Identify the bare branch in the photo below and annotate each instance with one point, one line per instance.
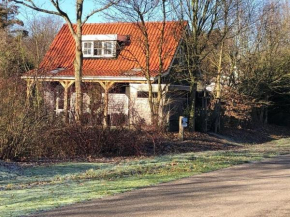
(64, 15)
(34, 7)
(111, 3)
(58, 11)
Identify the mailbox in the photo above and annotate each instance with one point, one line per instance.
(184, 121)
(182, 124)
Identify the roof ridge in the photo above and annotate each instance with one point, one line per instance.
(114, 23)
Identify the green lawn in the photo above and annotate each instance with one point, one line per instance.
(38, 188)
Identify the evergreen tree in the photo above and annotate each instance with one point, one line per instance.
(8, 13)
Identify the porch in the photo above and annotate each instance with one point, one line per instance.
(117, 102)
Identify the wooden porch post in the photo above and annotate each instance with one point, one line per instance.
(28, 90)
(107, 86)
(30, 82)
(66, 85)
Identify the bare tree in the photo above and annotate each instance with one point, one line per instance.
(76, 32)
(265, 76)
(202, 16)
(42, 30)
(226, 22)
(138, 12)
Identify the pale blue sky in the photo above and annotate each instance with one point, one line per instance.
(66, 5)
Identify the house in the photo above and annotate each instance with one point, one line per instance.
(114, 60)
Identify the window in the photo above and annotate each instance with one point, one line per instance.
(87, 47)
(108, 48)
(98, 48)
(118, 89)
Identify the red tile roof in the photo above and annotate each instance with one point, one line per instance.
(62, 50)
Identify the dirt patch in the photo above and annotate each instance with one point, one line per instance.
(195, 142)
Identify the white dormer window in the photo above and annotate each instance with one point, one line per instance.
(99, 48)
(87, 48)
(108, 48)
(102, 46)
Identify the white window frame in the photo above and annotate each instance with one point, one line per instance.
(103, 49)
(86, 49)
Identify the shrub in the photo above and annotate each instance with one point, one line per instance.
(21, 125)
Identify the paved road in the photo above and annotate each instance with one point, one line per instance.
(257, 189)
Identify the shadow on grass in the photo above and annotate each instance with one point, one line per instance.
(255, 135)
(203, 191)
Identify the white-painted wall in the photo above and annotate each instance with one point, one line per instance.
(49, 99)
(140, 108)
(86, 102)
(136, 109)
(118, 103)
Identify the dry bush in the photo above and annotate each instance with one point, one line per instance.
(29, 132)
(74, 141)
(236, 109)
(85, 141)
(21, 123)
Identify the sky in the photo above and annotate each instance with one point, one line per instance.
(66, 5)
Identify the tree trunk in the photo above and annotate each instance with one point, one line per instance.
(78, 80)
(218, 92)
(148, 76)
(151, 103)
(192, 114)
(158, 105)
(217, 120)
(266, 115)
(262, 114)
(78, 64)
(194, 72)
(204, 111)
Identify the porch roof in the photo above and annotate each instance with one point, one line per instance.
(87, 76)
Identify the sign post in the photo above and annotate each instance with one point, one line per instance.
(182, 124)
